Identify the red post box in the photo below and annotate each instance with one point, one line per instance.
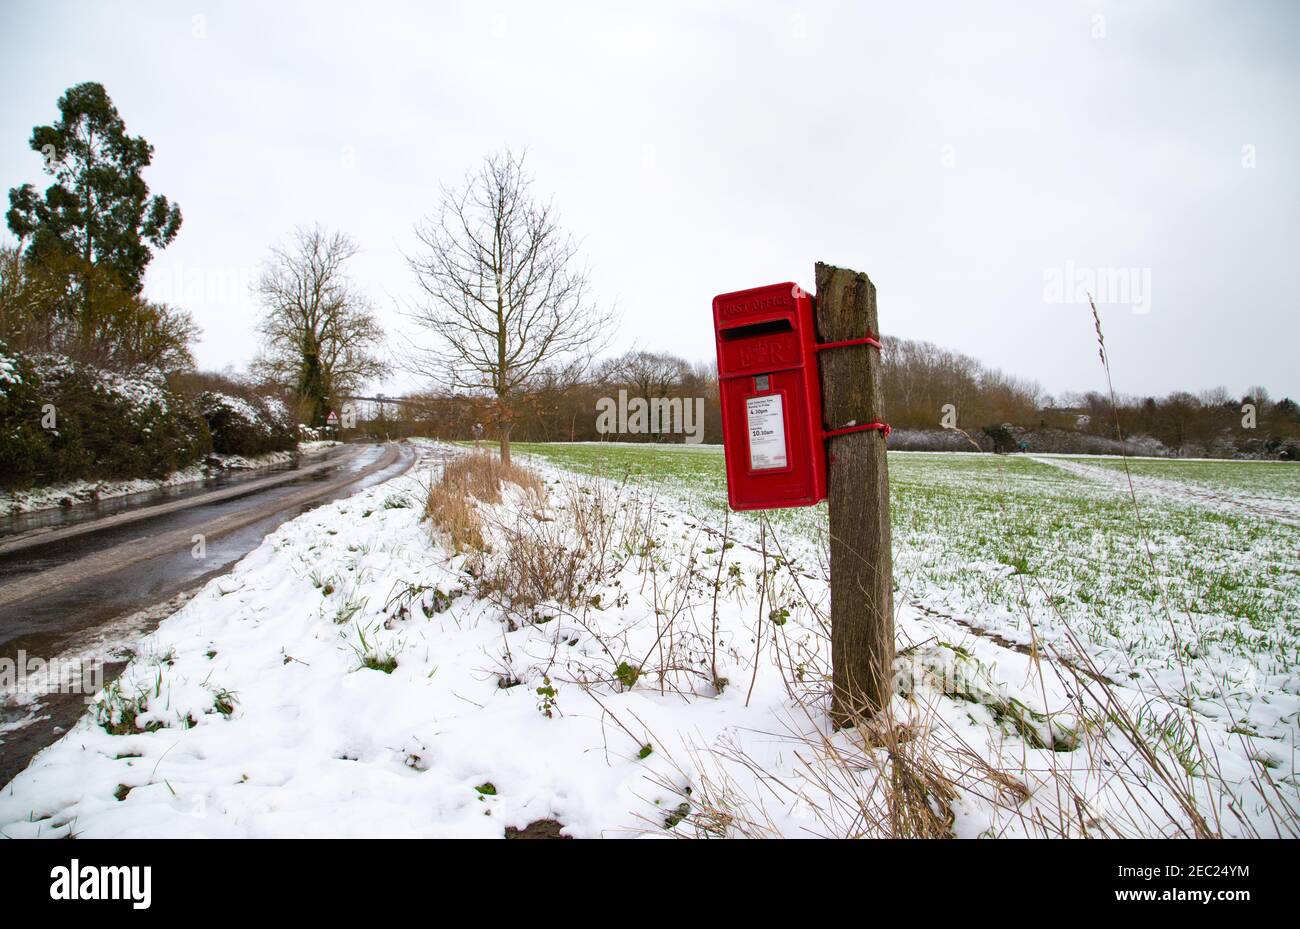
(771, 396)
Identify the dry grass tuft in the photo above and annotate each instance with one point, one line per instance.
(560, 556)
(451, 502)
(481, 474)
(920, 794)
(456, 516)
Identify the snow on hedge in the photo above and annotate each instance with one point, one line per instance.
(140, 389)
(212, 402)
(247, 426)
(76, 431)
(8, 370)
(279, 411)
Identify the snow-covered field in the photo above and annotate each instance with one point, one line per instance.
(628, 660)
(74, 492)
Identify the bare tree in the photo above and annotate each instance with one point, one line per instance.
(321, 335)
(504, 295)
(157, 335)
(650, 374)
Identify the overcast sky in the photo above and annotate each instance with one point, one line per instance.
(977, 160)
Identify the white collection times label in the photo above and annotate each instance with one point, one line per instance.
(766, 421)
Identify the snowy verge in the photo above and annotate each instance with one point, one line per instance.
(1220, 499)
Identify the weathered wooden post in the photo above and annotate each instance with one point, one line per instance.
(803, 421)
(862, 586)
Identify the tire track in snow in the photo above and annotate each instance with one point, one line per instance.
(1185, 493)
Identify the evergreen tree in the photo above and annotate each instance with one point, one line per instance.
(98, 209)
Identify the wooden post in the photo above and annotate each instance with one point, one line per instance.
(862, 579)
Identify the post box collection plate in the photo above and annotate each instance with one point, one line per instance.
(766, 420)
(770, 392)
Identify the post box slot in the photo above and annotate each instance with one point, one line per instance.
(771, 327)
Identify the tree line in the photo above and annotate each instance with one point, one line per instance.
(937, 400)
(1214, 423)
(517, 337)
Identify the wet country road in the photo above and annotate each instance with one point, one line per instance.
(89, 595)
(22, 523)
(28, 529)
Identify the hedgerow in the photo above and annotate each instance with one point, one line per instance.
(247, 425)
(62, 420)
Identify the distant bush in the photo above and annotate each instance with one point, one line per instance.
(1007, 438)
(935, 440)
(62, 420)
(24, 447)
(1068, 442)
(247, 425)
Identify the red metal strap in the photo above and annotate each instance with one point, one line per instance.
(846, 343)
(883, 427)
